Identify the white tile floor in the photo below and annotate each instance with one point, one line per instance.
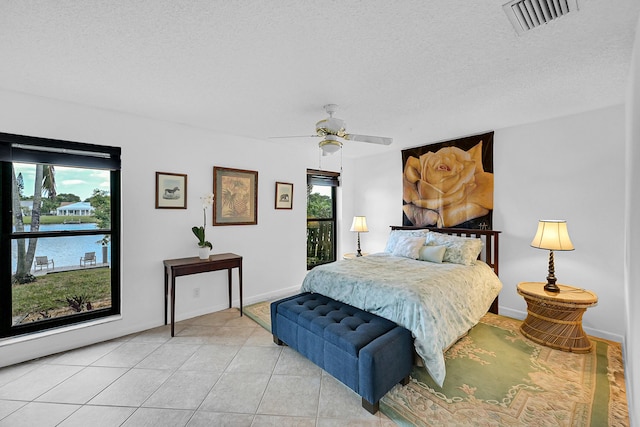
(219, 370)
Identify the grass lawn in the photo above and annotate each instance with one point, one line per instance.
(59, 219)
(50, 292)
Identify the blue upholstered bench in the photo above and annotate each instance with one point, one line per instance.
(367, 353)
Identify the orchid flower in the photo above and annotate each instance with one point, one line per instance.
(207, 200)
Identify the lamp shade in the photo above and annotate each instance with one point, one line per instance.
(329, 145)
(552, 235)
(359, 224)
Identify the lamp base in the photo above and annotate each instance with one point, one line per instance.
(551, 277)
(551, 287)
(359, 253)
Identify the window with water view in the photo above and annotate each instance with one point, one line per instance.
(61, 222)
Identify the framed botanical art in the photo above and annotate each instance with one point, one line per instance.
(236, 196)
(284, 195)
(171, 190)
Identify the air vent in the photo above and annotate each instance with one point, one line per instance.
(526, 15)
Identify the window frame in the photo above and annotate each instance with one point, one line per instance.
(329, 179)
(27, 149)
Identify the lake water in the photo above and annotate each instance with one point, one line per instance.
(65, 251)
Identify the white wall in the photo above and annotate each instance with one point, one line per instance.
(632, 232)
(273, 251)
(567, 168)
(375, 191)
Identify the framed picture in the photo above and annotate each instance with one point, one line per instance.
(236, 196)
(446, 205)
(284, 195)
(171, 190)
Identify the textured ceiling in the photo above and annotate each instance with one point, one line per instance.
(415, 70)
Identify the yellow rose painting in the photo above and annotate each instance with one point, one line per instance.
(447, 186)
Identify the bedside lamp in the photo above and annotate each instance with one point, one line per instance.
(360, 226)
(552, 235)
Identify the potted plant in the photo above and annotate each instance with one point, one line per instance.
(204, 246)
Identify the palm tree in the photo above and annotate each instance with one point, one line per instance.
(49, 181)
(44, 182)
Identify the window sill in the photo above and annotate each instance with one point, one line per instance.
(56, 331)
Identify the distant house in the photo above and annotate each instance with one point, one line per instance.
(76, 209)
(27, 206)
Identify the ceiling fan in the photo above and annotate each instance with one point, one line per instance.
(333, 129)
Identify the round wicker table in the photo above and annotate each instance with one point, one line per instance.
(555, 319)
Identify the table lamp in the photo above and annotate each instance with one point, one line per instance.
(360, 226)
(552, 235)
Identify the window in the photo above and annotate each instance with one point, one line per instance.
(60, 220)
(321, 217)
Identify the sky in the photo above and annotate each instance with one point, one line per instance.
(78, 181)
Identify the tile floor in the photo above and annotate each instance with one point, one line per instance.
(219, 370)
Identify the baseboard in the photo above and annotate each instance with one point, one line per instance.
(267, 296)
(508, 312)
(603, 334)
(272, 296)
(521, 315)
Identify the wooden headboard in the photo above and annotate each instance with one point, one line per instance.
(489, 254)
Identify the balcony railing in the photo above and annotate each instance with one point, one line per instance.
(320, 243)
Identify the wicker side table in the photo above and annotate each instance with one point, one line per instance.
(555, 319)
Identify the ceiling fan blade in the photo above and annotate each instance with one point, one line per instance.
(294, 136)
(367, 138)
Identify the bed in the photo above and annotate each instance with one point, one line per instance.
(438, 283)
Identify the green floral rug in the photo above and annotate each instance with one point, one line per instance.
(497, 377)
(260, 313)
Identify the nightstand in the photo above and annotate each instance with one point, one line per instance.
(352, 255)
(554, 319)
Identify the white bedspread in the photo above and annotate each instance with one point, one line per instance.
(437, 302)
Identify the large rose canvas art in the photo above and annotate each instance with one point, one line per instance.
(449, 184)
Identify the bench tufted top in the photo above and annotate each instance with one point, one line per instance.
(342, 325)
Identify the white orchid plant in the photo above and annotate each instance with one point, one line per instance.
(207, 200)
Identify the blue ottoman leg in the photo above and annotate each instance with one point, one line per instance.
(384, 362)
(371, 407)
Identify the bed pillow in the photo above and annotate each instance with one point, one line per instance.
(409, 246)
(392, 241)
(460, 250)
(432, 253)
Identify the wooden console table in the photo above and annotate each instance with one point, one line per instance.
(194, 265)
(555, 319)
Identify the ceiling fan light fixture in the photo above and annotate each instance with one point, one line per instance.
(329, 145)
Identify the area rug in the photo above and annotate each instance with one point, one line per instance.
(497, 377)
(260, 313)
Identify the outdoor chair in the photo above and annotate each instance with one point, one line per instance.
(42, 261)
(89, 258)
